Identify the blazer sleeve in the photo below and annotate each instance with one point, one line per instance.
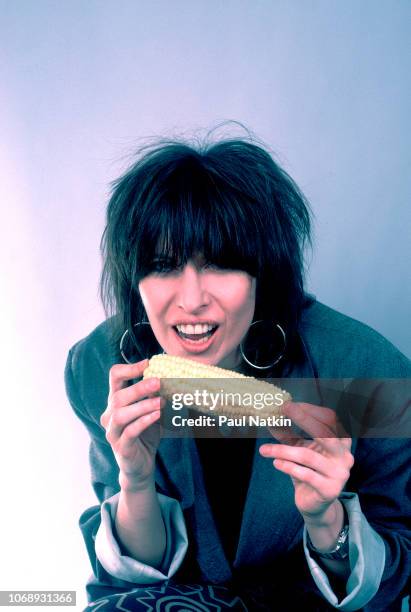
(382, 477)
(381, 474)
(104, 471)
(113, 571)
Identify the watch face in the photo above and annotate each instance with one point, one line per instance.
(340, 551)
(343, 536)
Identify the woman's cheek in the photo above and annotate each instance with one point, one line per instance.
(153, 293)
(236, 288)
(239, 294)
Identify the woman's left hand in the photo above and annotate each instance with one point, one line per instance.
(318, 467)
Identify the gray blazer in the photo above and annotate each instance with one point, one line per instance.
(269, 557)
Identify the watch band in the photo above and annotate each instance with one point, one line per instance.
(341, 549)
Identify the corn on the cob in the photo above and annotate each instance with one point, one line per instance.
(177, 373)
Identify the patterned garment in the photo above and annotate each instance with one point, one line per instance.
(166, 598)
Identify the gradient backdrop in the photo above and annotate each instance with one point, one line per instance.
(325, 83)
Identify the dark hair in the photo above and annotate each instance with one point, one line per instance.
(229, 201)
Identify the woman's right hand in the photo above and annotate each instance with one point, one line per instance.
(131, 423)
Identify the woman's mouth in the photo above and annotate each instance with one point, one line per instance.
(197, 334)
(195, 338)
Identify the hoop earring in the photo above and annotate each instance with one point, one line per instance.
(277, 359)
(126, 333)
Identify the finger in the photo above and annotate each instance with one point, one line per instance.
(335, 446)
(290, 435)
(305, 417)
(121, 373)
(308, 458)
(124, 416)
(134, 393)
(326, 488)
(135, 429)
(296, 437)
(294, 433)
(322, 414)
(128, 395)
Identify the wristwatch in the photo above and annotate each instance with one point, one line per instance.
(340, 551)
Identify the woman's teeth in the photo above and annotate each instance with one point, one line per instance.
(200, 332)
(198, 328)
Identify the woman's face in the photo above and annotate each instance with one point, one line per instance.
(200, 312)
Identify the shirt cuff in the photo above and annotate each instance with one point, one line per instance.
(126, 568)
(366, 556)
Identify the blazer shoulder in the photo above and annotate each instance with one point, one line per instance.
(337, 341)
(97, 347)
(87, 369)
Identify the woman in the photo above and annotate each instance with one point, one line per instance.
(203, 258)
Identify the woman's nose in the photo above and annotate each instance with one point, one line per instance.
(192, 294)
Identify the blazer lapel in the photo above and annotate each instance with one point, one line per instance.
(270, 519)
(271, 523)
(182, 463)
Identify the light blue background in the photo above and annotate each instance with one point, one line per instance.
(325, 83)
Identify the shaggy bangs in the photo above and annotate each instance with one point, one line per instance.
(194, 217)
